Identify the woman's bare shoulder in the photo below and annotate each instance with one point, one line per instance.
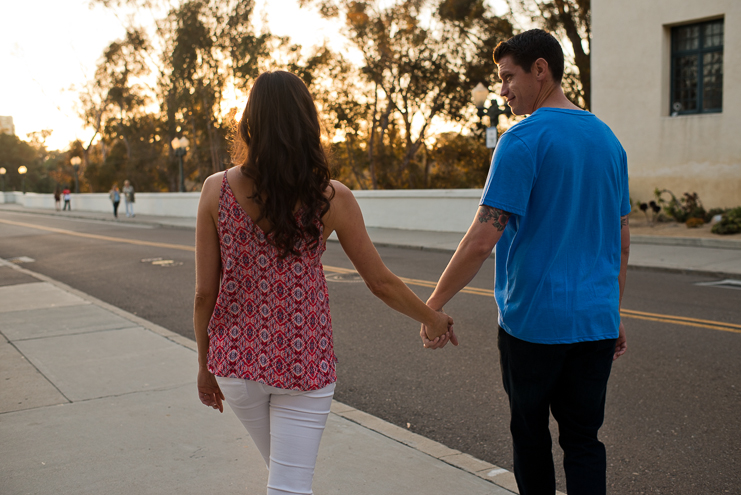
(337, 191)
(213, 183)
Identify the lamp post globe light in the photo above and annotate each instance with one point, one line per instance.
(75, 161)
(2, 175)
(22, 170)
(180, 146)
(479, 95)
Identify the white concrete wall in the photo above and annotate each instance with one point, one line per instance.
(631, 60)
(441, 210)
(160, 204)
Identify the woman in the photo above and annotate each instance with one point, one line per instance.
(261, 312)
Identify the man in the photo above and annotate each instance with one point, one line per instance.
(555, 205)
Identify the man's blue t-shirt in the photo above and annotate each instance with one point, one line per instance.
(564, 176)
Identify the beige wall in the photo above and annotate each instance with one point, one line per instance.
(631, 90)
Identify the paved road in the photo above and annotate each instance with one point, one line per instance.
(672, 422)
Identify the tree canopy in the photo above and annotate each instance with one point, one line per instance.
(395, 101)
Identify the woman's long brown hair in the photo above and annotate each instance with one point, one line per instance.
(278, 146)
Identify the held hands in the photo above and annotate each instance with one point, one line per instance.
(440, 333)
(209, 391)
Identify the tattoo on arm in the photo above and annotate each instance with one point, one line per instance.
(623, 222)
(500, 217)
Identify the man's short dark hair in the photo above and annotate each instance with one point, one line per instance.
(527, 47)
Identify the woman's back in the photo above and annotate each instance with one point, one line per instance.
(271, 323)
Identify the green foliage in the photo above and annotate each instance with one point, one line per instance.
(458, 161)
(730, 223)
(688, 206)
(712, 212)
(43, 167)
(421, 61)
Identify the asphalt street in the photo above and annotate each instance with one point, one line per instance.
(672, 422)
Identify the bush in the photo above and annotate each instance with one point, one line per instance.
(714, 211)
(730, 223)
(693, 223)
(688, 206)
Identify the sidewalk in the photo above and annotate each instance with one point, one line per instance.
(97, 400)
(664, 247)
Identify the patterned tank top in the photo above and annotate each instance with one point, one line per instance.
(271, 323)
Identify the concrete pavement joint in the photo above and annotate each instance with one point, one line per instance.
(88, 332)
(25, 358)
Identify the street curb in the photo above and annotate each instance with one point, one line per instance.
(684, 271)
(455, 458)
(686, 241)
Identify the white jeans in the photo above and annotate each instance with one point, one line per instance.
(129, 208)
(286, 426)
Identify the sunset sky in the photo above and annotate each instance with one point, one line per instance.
(48, 48)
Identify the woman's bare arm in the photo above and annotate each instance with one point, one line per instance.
(208, 276)
(346, 219)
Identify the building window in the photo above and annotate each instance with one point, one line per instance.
(697, 68)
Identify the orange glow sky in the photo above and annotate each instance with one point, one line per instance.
(50, 47)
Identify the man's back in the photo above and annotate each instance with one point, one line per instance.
(564, 176)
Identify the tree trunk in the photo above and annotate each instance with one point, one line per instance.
(566, 13)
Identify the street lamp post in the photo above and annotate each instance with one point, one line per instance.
(180, 146)
(75, 161)
(2, 175)
(479, 96)
(22, 170)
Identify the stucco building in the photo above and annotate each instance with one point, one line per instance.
(666, 77)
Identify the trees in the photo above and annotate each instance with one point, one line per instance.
(199, 49)
(569, 19)
(43, 166)
(420, 61)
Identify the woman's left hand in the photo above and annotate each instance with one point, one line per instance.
(209, 391)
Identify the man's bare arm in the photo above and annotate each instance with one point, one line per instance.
(497, 217)
(621, 345)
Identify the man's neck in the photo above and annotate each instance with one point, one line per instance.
(551, 96)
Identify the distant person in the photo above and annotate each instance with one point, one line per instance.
(128, 193)
(57, 199)
(556, 207)
(67, 196)
(261, 312)
(115, 196)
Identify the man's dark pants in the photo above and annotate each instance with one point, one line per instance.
(571, 380)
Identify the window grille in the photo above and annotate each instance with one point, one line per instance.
(697, 68)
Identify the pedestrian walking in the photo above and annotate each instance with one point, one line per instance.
(57, 199)
(261, 314)
(556, 207)
(115, 196)
(67, 196)
(128, 193)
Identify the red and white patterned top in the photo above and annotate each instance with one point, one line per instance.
(271, 323)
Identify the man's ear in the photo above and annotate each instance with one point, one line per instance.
(540, 69)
